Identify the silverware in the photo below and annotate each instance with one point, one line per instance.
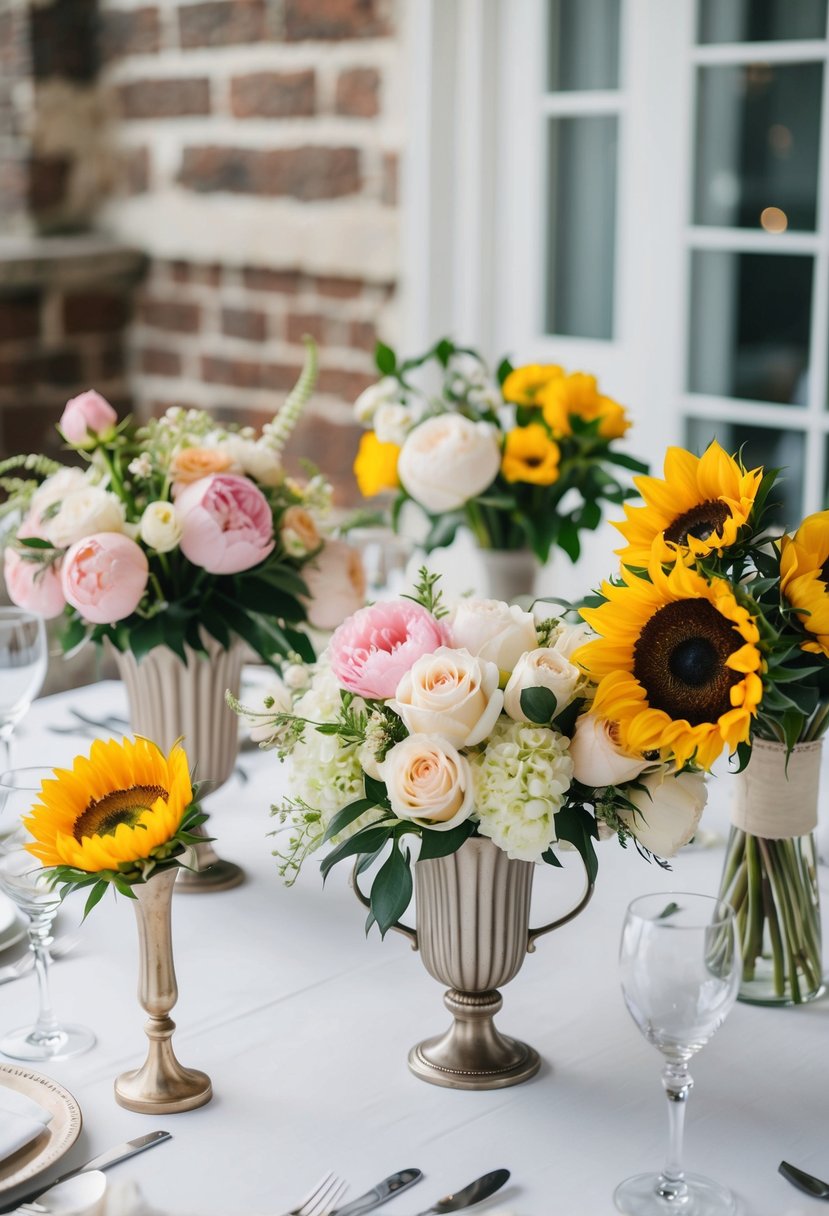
(23, 965)
(322, 1198)
(384, 1190)
(815, 1187)
(476, 1192)
(103, 1162)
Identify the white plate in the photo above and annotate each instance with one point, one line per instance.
(57, 1137)
(12, 924)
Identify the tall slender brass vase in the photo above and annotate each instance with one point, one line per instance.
(161, 1085)
(473, 930)
(170, 700)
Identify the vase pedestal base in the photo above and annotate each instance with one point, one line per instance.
(472, 1054)
(210, 872)
(178, 1090)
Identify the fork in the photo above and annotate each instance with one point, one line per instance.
(23, 965)
(322, 1199)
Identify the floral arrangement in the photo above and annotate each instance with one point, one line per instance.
(524, 458)
(175, 527)
(116, 818)
(422, 726)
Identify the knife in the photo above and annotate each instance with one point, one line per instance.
(380, 1193)
(815, 1187)
(103, 1162)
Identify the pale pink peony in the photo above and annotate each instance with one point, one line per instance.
(372, 651)
(336, 583)
(33, 586)
(87, 412)
(104, 577)
(227, 524)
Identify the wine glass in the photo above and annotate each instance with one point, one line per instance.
(23, 660)
(22, 878)
(680, 967)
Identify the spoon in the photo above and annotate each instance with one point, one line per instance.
(477, 1191)
(78, 1196)
(805, 1182)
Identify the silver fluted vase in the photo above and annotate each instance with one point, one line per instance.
(473, 931)
(509, 574)
(170, 700)
(161, 1085)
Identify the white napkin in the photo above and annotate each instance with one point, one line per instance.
(21, 1121)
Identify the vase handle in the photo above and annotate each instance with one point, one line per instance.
(586, 896)
(398, 926)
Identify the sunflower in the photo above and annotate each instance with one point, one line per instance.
(523, 383)
(375, 466)
(578, 396)
(121, 804)
(677, 662)
(530, 455)
(700, 507)
(804, 578)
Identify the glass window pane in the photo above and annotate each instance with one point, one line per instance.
(750, 316)
(761, 20)
(584, 44)
(581, 232)
(765, 446)
(758, 144)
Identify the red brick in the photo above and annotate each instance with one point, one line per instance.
(157, 362)
(64, 40)
(130, 32)
(390, 191)
(90, 312)
(177, 98)
(18, 372)
(19, 317)
(247, 323)
(241, 373)
(170, 314)
(274, 95)
(134, 170)
(222, 23)
(334, 19)
(362, 335)
(305, 173)
(260, 278)
(330, 445)
(345, 384)
(209, 274)
(358, 93)
(109, 363)
(62, 367)
(280, 377)
(300, 324)
(339, 288)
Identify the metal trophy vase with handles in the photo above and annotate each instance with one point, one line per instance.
(473, 930)
(170, 700)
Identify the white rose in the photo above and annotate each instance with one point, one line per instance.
(393, 421)
(255, 459)
(336, 582)
(541, 668)
(597, 757)
(55, 488)
(296, 676)
(493, 630)
(569, 637)
(429, 782)
(447, 460)
(83, 512)
(668, 818)
(372, 398)
(450, 693)
(160, 527)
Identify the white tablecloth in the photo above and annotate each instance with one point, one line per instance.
(304, 1026)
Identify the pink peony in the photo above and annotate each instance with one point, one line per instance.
(336, 582)
(104, 577)
(372, 651)
(87, 412)
(227, 524)
(33, 586)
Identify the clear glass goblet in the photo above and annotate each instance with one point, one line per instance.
(22, 878)
(23, 662)
(680, 968)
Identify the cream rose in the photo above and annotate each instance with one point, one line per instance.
(299, 533)
(393, 421)
(597, 757)
(492, 630)
(160, 528)
(450, 693)
(669, 813)
(447, 460)
(55, 488)
(541, 668)
(83, 512)
(252, 457)
(429, 782)
(570, 637)
(376, 395)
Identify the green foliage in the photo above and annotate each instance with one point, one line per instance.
(428, 594)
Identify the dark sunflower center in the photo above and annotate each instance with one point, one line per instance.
(101, 818)
(532, 462)
(679, 659)
(701, 522)
(824, 572)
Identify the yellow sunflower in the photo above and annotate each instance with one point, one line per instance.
(677, 662)
(699, 507)
(523, 383)
(804, 578)
(578, 395)
(530, 455)
(375, 466)
(119, 804)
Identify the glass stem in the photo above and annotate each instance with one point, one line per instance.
(40, 939)
(6, 748)
(677, 1084)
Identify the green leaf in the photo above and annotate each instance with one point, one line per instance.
(539, 704)
(95, 897)
(504, 369)
(385, 359)
(146, 636)
(441, 844)
(576, 825)
(346, 816)
(443, 529)
(377, 793)
(625, 461)
(549, 856)
(34, 542)
(391, 891)
(301, 644)
(568, 539)
(444, 351)
(369, 840)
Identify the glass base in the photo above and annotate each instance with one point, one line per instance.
(638, 1196)
(68, 1041)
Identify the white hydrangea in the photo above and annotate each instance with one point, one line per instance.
(520, 780)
